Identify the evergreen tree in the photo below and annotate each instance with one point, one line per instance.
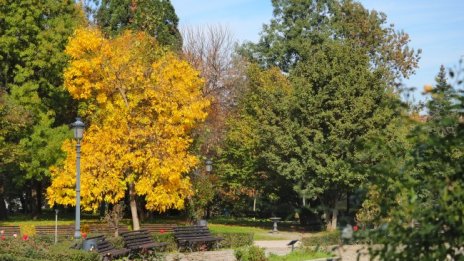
(442, 97)
(156, 17)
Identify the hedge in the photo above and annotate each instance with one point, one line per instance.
(322, 239)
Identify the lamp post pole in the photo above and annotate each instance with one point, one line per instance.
(78, 127)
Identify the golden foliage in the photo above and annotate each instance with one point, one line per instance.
(142, 102)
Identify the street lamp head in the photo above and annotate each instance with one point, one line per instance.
(209, 165)
(78, 128)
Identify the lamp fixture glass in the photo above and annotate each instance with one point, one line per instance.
(78, 128)
(209, 165)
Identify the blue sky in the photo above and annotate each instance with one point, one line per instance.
(436, 27)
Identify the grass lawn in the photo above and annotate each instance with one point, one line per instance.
(299, 255)
(259, 233)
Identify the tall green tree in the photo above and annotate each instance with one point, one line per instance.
(298, 25)
(156, 17)
(33, 35)
(262, 108)
(13, 122)
(342, 61)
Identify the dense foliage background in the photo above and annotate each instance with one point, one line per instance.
(307, 123)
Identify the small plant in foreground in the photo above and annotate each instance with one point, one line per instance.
(297, 255)
(250, 253)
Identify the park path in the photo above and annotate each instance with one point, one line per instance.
(278, 247)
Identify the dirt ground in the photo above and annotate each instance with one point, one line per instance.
(279, 247)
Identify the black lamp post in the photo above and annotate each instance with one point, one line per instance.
(78, 129)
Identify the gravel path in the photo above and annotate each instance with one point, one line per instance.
(278, 247)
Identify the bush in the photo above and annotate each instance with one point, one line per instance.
(168, 238)
(300, 254)
(63, 252)
(250, 253)
(322, 239)
(35, 249)
(234, 240)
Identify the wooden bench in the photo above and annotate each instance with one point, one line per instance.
(9, 231)
(189, 237)
(140, 241)
(158, 228)
(62, 230)
(106, 250)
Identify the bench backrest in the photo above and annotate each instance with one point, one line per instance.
(50, 230)
(191, 231)
(9, 231)
(157, 228)
(105, 229)
(133, 239)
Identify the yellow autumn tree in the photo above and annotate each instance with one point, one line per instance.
(140, 103)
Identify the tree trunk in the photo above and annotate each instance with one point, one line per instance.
(39, 196)
(304, 201)
(133, 207)
(23, 203)
(3, 212)
(328, 224)
(102, 209)
(334, 218)
(348, 203)
(254, 204)
(29, 204)
(33, 200)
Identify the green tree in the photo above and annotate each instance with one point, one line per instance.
(33, 35)
(298, 25)
(431, 189)
(156, 17)
(13, 122)
(339, 104)
(261, 109)
(442, 100)
(342, 61)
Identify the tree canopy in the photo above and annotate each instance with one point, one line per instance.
(141, 102)
(33, 35)
(155, 17)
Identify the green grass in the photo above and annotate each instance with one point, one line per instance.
(299, 255)
(259, 233)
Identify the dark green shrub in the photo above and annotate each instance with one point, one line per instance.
(63, 252)
(250, 253)
(167, 238)
(117, 242)
(322, 239)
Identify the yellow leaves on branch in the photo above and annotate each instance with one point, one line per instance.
(142, 102)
